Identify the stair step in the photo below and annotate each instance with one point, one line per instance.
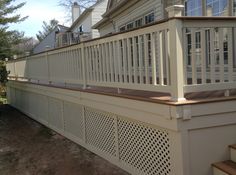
(224, 168)
(233, 153)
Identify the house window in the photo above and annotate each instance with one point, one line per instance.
(130, 26)
(123, 28)
(139, 22)
(197, 47)
(216, 7)
(234, 8)
(193, 8)
(212, 7)
(149, 18)
(81, 29)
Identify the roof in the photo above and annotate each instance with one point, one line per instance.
(58, 28)
(61, 27)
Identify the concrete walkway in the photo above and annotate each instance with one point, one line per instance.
(28, 148)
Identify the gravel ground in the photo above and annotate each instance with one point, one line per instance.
(28, 148)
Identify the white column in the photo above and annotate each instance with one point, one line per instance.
(48, 68)
(176, 53)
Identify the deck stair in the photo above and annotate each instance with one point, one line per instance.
(226, 167)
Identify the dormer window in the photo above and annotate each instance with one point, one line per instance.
(130, 26)
(139, 22)
(149, 18)
(123, 28)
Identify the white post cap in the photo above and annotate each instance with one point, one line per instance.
(175, 10)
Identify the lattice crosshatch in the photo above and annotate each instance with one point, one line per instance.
(144, 148)
(100, 130)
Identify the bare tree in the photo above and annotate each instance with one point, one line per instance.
(25, 46)
(67, 5)
(47, 28)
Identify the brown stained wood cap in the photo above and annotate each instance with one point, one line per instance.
(228, 167)
(147, 96)
(232, 146)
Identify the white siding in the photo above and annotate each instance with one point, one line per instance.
(174, 2)
(97, 13)
(92, 18)
(106, 29)
(86, 22)
(140, 9)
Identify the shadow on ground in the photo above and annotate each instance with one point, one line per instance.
(28, 148)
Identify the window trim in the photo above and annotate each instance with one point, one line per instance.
(123, 26)
(136, 19)
(152, 12)
(130, 23)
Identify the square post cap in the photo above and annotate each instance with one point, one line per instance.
(175, 10)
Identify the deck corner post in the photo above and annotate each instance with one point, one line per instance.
(176, 55)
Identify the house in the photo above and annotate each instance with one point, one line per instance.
(122, 15)
(155, 100)
(125, 15)
(81, 28)
(49, 42)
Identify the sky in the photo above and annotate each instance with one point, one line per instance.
(38, 11)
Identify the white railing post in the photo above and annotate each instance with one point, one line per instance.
(48, 68)
(26, 74)
(176, 53)
(15, 68)
(84, 66)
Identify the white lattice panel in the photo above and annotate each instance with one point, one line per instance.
(100, 130)
(143, 148)
(73, 119)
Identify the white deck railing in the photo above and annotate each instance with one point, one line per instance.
(210, 54)
(176, 56)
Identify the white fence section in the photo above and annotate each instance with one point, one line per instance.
(133, 60)
(177, 56)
